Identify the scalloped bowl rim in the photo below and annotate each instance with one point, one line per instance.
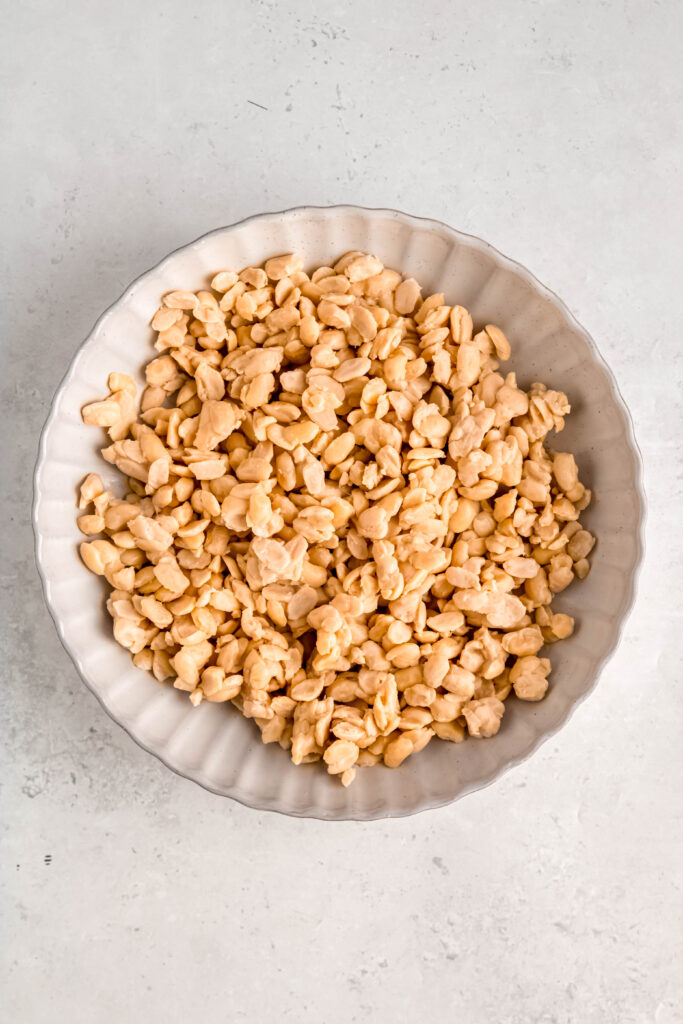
(621, 614)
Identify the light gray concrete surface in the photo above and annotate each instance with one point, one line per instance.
(553, 130)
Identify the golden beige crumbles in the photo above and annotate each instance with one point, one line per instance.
(340, 513)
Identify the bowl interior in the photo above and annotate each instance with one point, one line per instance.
(213, 744)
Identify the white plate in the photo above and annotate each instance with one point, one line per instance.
(213, 744)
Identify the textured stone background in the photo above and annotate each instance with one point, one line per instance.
(553, 130)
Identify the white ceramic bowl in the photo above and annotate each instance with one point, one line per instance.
(213, 744)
